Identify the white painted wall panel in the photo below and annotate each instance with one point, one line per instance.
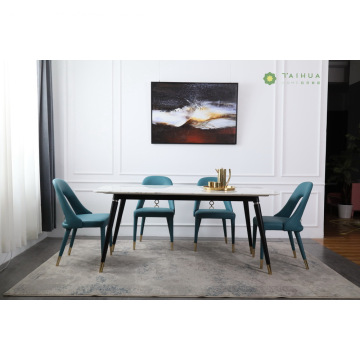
(256, 119)
(195, 71)
(89, 123)
(280, 141)
(301, 128)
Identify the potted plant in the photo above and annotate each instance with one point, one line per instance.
(342, 170)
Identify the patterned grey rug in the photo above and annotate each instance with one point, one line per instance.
(153, 270)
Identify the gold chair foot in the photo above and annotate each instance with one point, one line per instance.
(140, 237)
(253, 252)
(306, 264)
(294, 252)
(261, 263)
(172, 246)
(58, 261)
(101, 267)
(134, 245)
(195, 247)
(225, 239)
(111, 249)
(269, 269)
(233, 248)
(69, 251)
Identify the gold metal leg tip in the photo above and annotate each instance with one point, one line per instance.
(306, 264)
(140, 237)
(253, 252)
(195, 247)
(134, 243)
(269, 269)
(58, 261)
(225, 240)
(294, 252)
(69, 251)
(233, 248)
(101, 267)
(172, 246)
(261, 263)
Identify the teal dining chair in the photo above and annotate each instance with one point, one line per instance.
(155, 211)
(288, 220)
(223, 214)
(76, 216)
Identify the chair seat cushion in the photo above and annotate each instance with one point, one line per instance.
(91, 220)
(154, 212)
(215, 214)
(272, 222)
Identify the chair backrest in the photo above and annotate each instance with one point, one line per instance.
(70, 204)
(203, 182)
(302, 194)
(156, 180)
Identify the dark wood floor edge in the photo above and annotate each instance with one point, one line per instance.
(344, 267)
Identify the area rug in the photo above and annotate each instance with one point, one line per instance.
(153, 270)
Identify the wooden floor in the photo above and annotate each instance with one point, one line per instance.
(342, 236)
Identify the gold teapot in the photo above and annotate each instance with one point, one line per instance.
(223, 183)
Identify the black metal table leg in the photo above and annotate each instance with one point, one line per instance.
(118, 222)
(248, 226)
(114, 205)
(262, 234)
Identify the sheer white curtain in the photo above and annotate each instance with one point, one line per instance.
(20, 212)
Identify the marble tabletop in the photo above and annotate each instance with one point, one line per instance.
(190, 190)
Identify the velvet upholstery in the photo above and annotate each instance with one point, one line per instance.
(76, 215)
(145, 212)
(288, 218)
(223, 214)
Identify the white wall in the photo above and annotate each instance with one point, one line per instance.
(103, 124)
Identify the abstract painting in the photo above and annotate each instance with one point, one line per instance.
(193, 113)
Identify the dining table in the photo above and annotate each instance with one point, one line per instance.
(183, 192)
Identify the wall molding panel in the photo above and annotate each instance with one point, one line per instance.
(90, 118)
(103, 118)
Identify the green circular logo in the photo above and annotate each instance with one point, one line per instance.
(269, 78)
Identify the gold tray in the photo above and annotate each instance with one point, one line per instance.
(226, 188)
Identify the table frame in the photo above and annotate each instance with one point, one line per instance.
(206, 197)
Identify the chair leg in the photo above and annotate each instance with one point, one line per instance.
(197, 227)
(63, 244)
(134, 231)
(299, 241)
(142, 227)
(254, 240)
(224, 227)
(292, 243)
(170, 222)
(72, 240)
(233, 234)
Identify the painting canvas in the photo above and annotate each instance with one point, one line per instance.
(193, 113)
